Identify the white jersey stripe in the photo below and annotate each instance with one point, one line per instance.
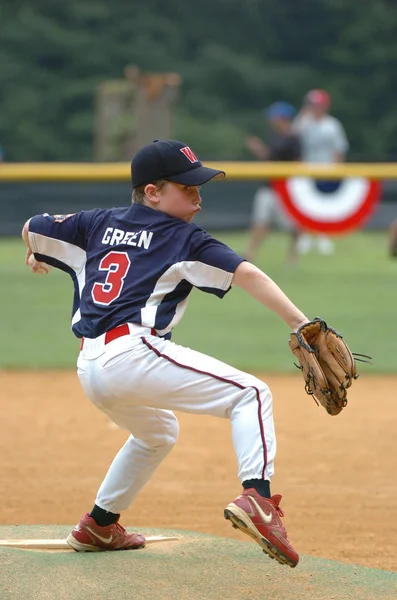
(70, 255)
(77, 316)
(201, 275)
(197, 273)
(180, 309)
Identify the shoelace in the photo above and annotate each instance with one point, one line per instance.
(280, 514)
(120, 528)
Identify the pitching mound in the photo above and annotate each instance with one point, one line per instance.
(196, 566)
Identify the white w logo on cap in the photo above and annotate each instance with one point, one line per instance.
(189, 154)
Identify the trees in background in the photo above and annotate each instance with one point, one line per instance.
(234, 57)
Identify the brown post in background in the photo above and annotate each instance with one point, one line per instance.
(132, 112)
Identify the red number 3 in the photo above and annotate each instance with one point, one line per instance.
(117, 265)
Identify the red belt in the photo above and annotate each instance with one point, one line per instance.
(117, 332)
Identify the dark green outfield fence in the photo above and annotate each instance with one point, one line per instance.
(227, 203)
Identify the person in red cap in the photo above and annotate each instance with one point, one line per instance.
(323, 140)
(323, 137)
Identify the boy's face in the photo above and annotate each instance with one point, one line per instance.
(176, 200)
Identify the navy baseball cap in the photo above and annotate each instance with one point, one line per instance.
(170, 160)
(280, 110)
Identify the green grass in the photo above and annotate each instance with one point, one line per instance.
(355, 290)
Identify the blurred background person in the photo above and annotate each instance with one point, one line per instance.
(323, 140)
(268, 211)
(393, 239)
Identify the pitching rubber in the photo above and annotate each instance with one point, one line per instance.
(65, 544)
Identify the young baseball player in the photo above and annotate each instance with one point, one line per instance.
(133, 269)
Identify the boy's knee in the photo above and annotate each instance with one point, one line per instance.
(258, 391)
(166, 435)
(171, 432)
(261, 389)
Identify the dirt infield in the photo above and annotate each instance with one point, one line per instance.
(337, 475)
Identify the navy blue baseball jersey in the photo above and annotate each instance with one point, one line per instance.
(131, 265)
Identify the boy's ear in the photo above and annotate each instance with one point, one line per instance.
(151, 192)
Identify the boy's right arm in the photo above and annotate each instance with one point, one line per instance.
(37, 267)
(58, 240)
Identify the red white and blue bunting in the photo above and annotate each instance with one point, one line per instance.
(328, 206)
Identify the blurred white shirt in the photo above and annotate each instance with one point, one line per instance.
(321, 139)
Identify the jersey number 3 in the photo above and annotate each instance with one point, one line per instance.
(116, 264)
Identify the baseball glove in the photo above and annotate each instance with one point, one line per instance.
(327, 364)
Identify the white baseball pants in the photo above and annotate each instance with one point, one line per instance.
(139, 379)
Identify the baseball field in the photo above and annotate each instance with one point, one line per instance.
(337, 475)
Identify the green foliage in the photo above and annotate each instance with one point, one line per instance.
(355, 290)
(234, 58)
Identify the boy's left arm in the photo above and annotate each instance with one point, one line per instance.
(266, 291)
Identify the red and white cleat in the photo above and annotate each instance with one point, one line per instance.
(260, 518)
(87, 536)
